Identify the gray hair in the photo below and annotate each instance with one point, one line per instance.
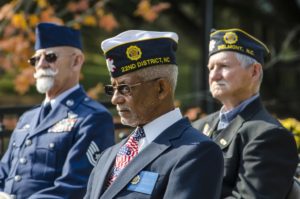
(246, 61)
(167, 71)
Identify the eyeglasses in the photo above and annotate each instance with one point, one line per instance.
(124, 89)
(50, 57)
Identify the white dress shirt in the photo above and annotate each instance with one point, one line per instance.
(156, 127)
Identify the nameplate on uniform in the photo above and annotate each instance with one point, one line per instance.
(144, 182)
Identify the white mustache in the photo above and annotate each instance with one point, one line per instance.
(45, 72)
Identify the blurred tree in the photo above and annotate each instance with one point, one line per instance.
(274, 22)
(18, 19)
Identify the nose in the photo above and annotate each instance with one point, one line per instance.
(117, 98)
(42, 63)
(215, 75)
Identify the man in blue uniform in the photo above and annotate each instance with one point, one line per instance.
(55, 145)
(164, 157)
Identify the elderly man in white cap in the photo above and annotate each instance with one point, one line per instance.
(164, 157)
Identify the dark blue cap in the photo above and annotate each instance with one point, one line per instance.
(136, 49)
(239, 41)
(53, 35)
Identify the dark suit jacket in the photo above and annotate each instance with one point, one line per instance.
(187, 165)
(260, 156)
(54, 159)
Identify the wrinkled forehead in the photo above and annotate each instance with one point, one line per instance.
(223, 57)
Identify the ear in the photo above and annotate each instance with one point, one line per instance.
(78, 62)
(256, 70)
(164, 88)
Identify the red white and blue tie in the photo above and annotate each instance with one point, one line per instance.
(126, 153)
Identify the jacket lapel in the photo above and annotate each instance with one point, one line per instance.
(227, 134)
(145, 157)
(211, 126)
(104, 168)
(52, 118)
(60, 112)
(225, 137)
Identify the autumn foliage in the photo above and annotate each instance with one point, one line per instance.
(18, 19)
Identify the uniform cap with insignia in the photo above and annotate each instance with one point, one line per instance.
(135, 49)
(239, 41)
(53, 35)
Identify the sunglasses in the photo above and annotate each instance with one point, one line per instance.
(123, 89)
(50, 57)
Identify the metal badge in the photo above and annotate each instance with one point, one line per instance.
(135, 180)
(223, 142)
(70, 102)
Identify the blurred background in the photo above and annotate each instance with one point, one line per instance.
(275, 22)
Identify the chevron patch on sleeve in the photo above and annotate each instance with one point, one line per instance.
(93, 153)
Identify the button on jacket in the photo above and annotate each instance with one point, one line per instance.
(260, 156)
(179, 164)
(54, 159)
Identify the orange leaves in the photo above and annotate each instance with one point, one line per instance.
(21, 44)
(6, 11)
(48, 15)
(95, 91)
(33, 20)
(42, 3)
(90, 20)
(149, 12)
(91, 16)
(80, 6)
(18, 18)
(24, 80)
(16, 44)
(7, 45)
(18, 21)
(108, 22)
(6, 64)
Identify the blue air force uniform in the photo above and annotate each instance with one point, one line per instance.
(54, 158)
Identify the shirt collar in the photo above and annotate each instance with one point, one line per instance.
(228, 116)
(54, 102)
(157, 126)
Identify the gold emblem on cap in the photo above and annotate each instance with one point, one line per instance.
(133, 53)
(230, 38)
(136, 179)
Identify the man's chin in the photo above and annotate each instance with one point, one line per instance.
(43, 85)
(128, 123)
(42, 90)
(217, 95)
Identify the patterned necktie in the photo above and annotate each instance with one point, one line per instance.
(44, 111)
(126, 153)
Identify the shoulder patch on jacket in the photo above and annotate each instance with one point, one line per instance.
(93, 153)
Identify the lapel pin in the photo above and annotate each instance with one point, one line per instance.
(70, 102)
(223, 142)
(135, 180)
(207, 130)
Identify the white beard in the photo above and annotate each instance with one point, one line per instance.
(44, 84)
(44, 79)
